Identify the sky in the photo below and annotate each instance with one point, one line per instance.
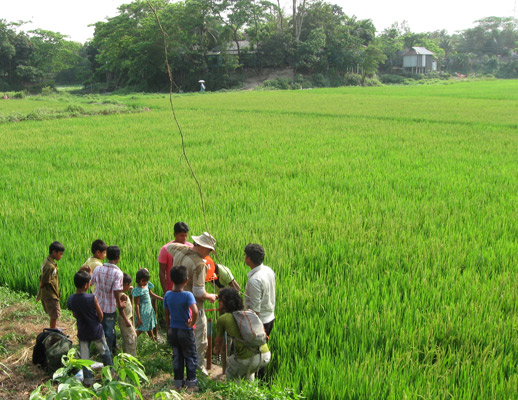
(72, 17)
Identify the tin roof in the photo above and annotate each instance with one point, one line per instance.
(420, 51)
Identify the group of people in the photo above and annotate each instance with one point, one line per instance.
(185, 271)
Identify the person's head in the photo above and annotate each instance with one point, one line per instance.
(254, 255)
(56, 250)
(178, 275)
(99, 249)
(181, 232)
(113, 253)
(126, 282)
(230, 300)
(82, 280)
(142, 277)
(204, 244)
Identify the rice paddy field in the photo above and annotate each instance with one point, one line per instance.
(388, 214)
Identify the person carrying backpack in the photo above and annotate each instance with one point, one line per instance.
(251, 349)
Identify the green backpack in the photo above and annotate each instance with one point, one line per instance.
(56, 346)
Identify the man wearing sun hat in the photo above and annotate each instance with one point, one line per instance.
(193, 258)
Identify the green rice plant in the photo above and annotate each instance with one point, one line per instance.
(387, 213)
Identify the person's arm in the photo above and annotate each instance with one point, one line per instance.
(136, 301)
(86, 268)
(45, 276)
(235, 285)
(121, 304)
(162, 274)
(100, 314)
(201, 295)
(218, 344)
(220, 336)
(93, 278)
(198, 289)
(167, 317)
(155, 296)
(194, 315)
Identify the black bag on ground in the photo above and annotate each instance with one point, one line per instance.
(50, 346)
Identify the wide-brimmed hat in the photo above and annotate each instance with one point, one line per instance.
(205, 240)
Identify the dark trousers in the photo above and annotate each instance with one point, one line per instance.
(267, 328)
(183, 343)
(108, 323)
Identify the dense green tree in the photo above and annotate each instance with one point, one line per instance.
(391, 43)
(311, 56)
(237, 14)
(372, 57)
(15, 50)
(319, 39)
(274, 45)
(344, 39)
(491, 36)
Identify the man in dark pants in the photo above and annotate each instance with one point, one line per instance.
(260, 289)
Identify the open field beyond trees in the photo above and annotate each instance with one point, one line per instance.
(389, 215)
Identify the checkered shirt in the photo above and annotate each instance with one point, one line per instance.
(107, 278)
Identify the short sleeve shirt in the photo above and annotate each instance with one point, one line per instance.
(107, 279)
(225, 275)
(93, 263)
(178, 304)
(165, 257)
(49, 280)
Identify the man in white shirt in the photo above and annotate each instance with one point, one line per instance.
(260, 288)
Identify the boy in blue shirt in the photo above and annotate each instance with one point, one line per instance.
(180, 313)
(89, 315)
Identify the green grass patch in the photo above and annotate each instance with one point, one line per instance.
(63, 105)
(387, 213)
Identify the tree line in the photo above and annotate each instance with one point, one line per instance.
(223, 41)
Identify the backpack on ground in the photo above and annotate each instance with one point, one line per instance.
(251, 328)
(50, 346)
(38, 353)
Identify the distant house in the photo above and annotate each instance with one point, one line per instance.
(419, 60)
(241, 50)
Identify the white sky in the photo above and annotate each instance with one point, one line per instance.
(72, 17)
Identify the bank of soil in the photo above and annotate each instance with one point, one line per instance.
(264, 75)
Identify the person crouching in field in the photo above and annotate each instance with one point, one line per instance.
(247, 360)
(48, 291)
(144, 312)
(89, 315)
(128, 333)
(181, 313)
